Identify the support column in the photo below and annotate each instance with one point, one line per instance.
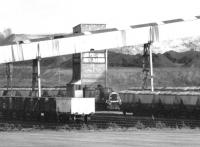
(39, 79)
(9, 77)
(38, 76)
(106, 64)
(36, 79)
(147, 66)
(151, 68)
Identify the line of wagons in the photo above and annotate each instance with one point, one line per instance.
(57, 107)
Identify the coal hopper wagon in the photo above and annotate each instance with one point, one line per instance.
(166, 104)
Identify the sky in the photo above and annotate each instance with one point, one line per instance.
(59, 16)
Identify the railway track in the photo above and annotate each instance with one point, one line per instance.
(132, 121)
(102, 120)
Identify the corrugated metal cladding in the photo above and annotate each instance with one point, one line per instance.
(81, 28)
(90, 68)
(93, 68)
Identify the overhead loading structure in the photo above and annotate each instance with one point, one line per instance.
(99, 39)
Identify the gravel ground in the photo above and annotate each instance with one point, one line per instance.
(107, 138)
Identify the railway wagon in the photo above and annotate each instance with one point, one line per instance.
(49, 109)
(161, 104)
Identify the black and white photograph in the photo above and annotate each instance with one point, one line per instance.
(99, 73)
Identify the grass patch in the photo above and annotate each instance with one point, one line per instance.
(92, 127)
(160, 125)
(63, 127)
(139, 125)
(10, 127)
(113, 126)
(185, 126)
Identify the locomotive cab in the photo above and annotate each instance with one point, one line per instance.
(113, 101)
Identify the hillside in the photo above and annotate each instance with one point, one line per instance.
(168, 59)
(186, 59)
(124, 60)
